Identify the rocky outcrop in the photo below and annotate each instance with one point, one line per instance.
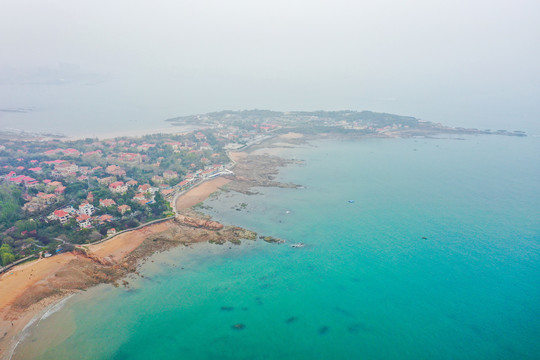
(198, 223)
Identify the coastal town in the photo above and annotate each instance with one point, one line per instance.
(58, 193)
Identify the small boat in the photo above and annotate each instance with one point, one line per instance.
(297, 245)
(351, 201)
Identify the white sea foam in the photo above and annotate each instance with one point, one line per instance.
(36, 320)
(54, 308)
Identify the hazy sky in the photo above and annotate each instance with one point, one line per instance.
(464, 63)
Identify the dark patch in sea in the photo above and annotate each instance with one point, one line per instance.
(244, 308)
(323, 330)
(343, 311)
(291, 320)
(238, 326)
(265, 286)
(227, 308)
(258, 301)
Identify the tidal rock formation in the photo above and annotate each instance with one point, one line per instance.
(199, 223)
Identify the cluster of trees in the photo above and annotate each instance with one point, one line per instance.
(10, 204)
(6, 255)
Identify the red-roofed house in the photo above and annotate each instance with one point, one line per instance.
(106, 202)
(144, 188)
(61, 215)
(145, 147)
(169, 174)
(84, 221)
(104, 218)
(86, 208)
(124, 209)
(46, 198)
(166, 192)
(115, 170)
(71, 152)
(139, 197)
(118, 187)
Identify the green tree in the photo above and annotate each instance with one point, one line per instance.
(6, 255)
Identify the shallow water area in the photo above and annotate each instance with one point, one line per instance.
(437, 257)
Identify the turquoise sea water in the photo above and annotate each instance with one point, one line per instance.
(437, 258)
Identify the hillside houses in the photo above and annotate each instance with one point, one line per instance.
(60, 215)
(86, 208)
(118, 187)
(124, 209)
(130, 157)
(99, 184)
(106, 202)
(115, 170)
(145, 147)
(84, 221)
(64, 169)
(169, 174)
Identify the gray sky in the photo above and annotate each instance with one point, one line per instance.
(463, 63)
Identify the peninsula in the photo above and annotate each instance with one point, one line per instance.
(77, 213)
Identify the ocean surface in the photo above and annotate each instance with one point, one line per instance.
(438, 257)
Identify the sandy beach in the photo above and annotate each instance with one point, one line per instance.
(29, 289)
(27, 283)
(200, 193)
(20, 287)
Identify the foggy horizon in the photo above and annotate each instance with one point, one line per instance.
(460, 64)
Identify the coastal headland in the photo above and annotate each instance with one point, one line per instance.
(28, 290)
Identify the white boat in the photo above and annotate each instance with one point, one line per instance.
(297, 245)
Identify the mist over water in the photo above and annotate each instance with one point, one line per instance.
(81, 66)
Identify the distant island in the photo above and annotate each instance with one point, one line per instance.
(360, 123)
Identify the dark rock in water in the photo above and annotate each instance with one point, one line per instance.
(291, 320)
(227, 308)
(265, 286)
(258, 301)
(244, 309)
(239, 326)
(323, 330)
(424, 238)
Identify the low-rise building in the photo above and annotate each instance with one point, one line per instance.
(118, 187)
(106, 202)
(61, 215)
(86, 208)
(124, 209)
(84, 221)
(169, 174)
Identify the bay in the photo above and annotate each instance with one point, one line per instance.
(437, 257)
